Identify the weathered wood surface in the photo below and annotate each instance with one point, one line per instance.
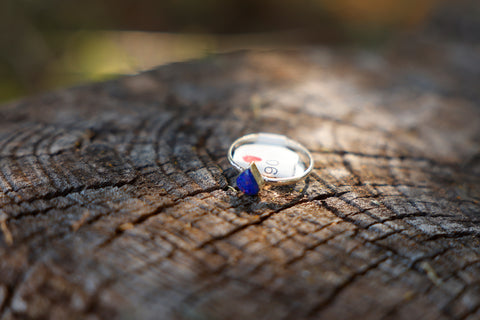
(115, 197)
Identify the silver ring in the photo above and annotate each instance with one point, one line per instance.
(269, 158)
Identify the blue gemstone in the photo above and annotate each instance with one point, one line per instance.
(247, 183)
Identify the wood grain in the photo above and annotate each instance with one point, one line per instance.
(116, 198)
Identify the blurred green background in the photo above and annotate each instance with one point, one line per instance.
(54, 43)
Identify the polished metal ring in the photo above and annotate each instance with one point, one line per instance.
(268, 158)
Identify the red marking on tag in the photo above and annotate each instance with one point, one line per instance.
(251, 159)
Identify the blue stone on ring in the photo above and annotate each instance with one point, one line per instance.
(250, 181)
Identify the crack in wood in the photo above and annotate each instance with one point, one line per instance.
(119, 231)
(263, 218)
(316, 310)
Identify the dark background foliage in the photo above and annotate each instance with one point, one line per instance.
(52, 43)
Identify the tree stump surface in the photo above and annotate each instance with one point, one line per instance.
(117, 198)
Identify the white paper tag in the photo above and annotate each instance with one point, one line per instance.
(272, 161)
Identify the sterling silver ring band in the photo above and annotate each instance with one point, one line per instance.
(302, 168)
